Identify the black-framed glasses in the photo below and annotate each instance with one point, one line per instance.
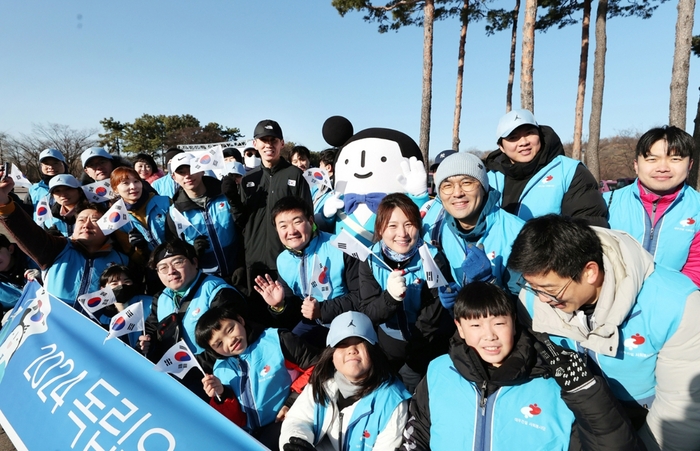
(522, 283)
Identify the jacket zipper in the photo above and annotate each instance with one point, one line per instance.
(215, 244)
(653, 215)
(340, 432)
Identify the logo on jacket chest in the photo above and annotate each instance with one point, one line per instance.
(634, 343)
(529, 416)
(547, 182)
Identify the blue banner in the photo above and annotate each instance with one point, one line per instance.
(61, 388)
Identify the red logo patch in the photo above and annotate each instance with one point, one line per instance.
(534, 409)
(366, 434)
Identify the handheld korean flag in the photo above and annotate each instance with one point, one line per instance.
(320, 280)
(43, 211)
(317, 176)
(99, 191)
(18, 177)
(180, 221)
(212, 159)
(128, 320)
(114, 219)
(353, 247)
(97, 300)
(178, 360)
(433, 276)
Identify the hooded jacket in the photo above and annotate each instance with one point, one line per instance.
(645, 341)
(550, 183)
(464, 403)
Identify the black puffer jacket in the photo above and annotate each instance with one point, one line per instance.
(582, 200)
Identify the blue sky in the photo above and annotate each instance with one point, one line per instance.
(236, 62)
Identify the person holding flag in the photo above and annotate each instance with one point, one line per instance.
(213, 231)
(263, 369)
(317, 281)
(188, 293)
(71, 266)
(413, 326)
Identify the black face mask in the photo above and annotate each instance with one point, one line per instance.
(124, 293)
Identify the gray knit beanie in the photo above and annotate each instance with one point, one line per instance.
(462, 163)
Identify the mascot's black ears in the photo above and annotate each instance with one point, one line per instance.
(337, 130)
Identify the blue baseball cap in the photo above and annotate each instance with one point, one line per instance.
(512, 120)
(51, 153)
(63, 180)
(351, 324)
(94, 152)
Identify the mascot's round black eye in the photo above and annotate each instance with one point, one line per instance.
(383, 159)
(347, 161)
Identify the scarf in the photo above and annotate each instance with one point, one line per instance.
(398, 258)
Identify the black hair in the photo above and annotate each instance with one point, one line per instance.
(290, 203)
(112, 271)
(4, 241)
(233, 152)
(302, 151)
(558, 244)
(678, 142)
(170, 249)
(327, 156)
(101, 208)
(210, 321)
(379, 373)
(146, 158)
(481, 300)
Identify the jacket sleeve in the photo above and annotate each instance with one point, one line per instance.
(601, 422)
(35, 242)
(297, 350)
(691, 268)
(299, 421)
(583, 200)
(433, 328)
(673, 422)
(375, 302)
(229, 407)
(350, 300)
(416, 437)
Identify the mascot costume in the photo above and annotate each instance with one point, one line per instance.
(369, 165)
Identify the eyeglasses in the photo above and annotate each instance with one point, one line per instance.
(178, 263)
(467, 185)
(522, 283)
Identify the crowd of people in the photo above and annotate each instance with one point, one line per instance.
(517, 308)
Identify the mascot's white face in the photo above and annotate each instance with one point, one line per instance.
(369, 165)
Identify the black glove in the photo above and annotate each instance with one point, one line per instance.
(201, 244)
(297, 444)
(136, 239)
(566, 367)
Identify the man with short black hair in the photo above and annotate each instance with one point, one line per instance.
(660, 210)
(597, 291)
(260, 190)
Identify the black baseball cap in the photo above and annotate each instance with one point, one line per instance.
(268, 127)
